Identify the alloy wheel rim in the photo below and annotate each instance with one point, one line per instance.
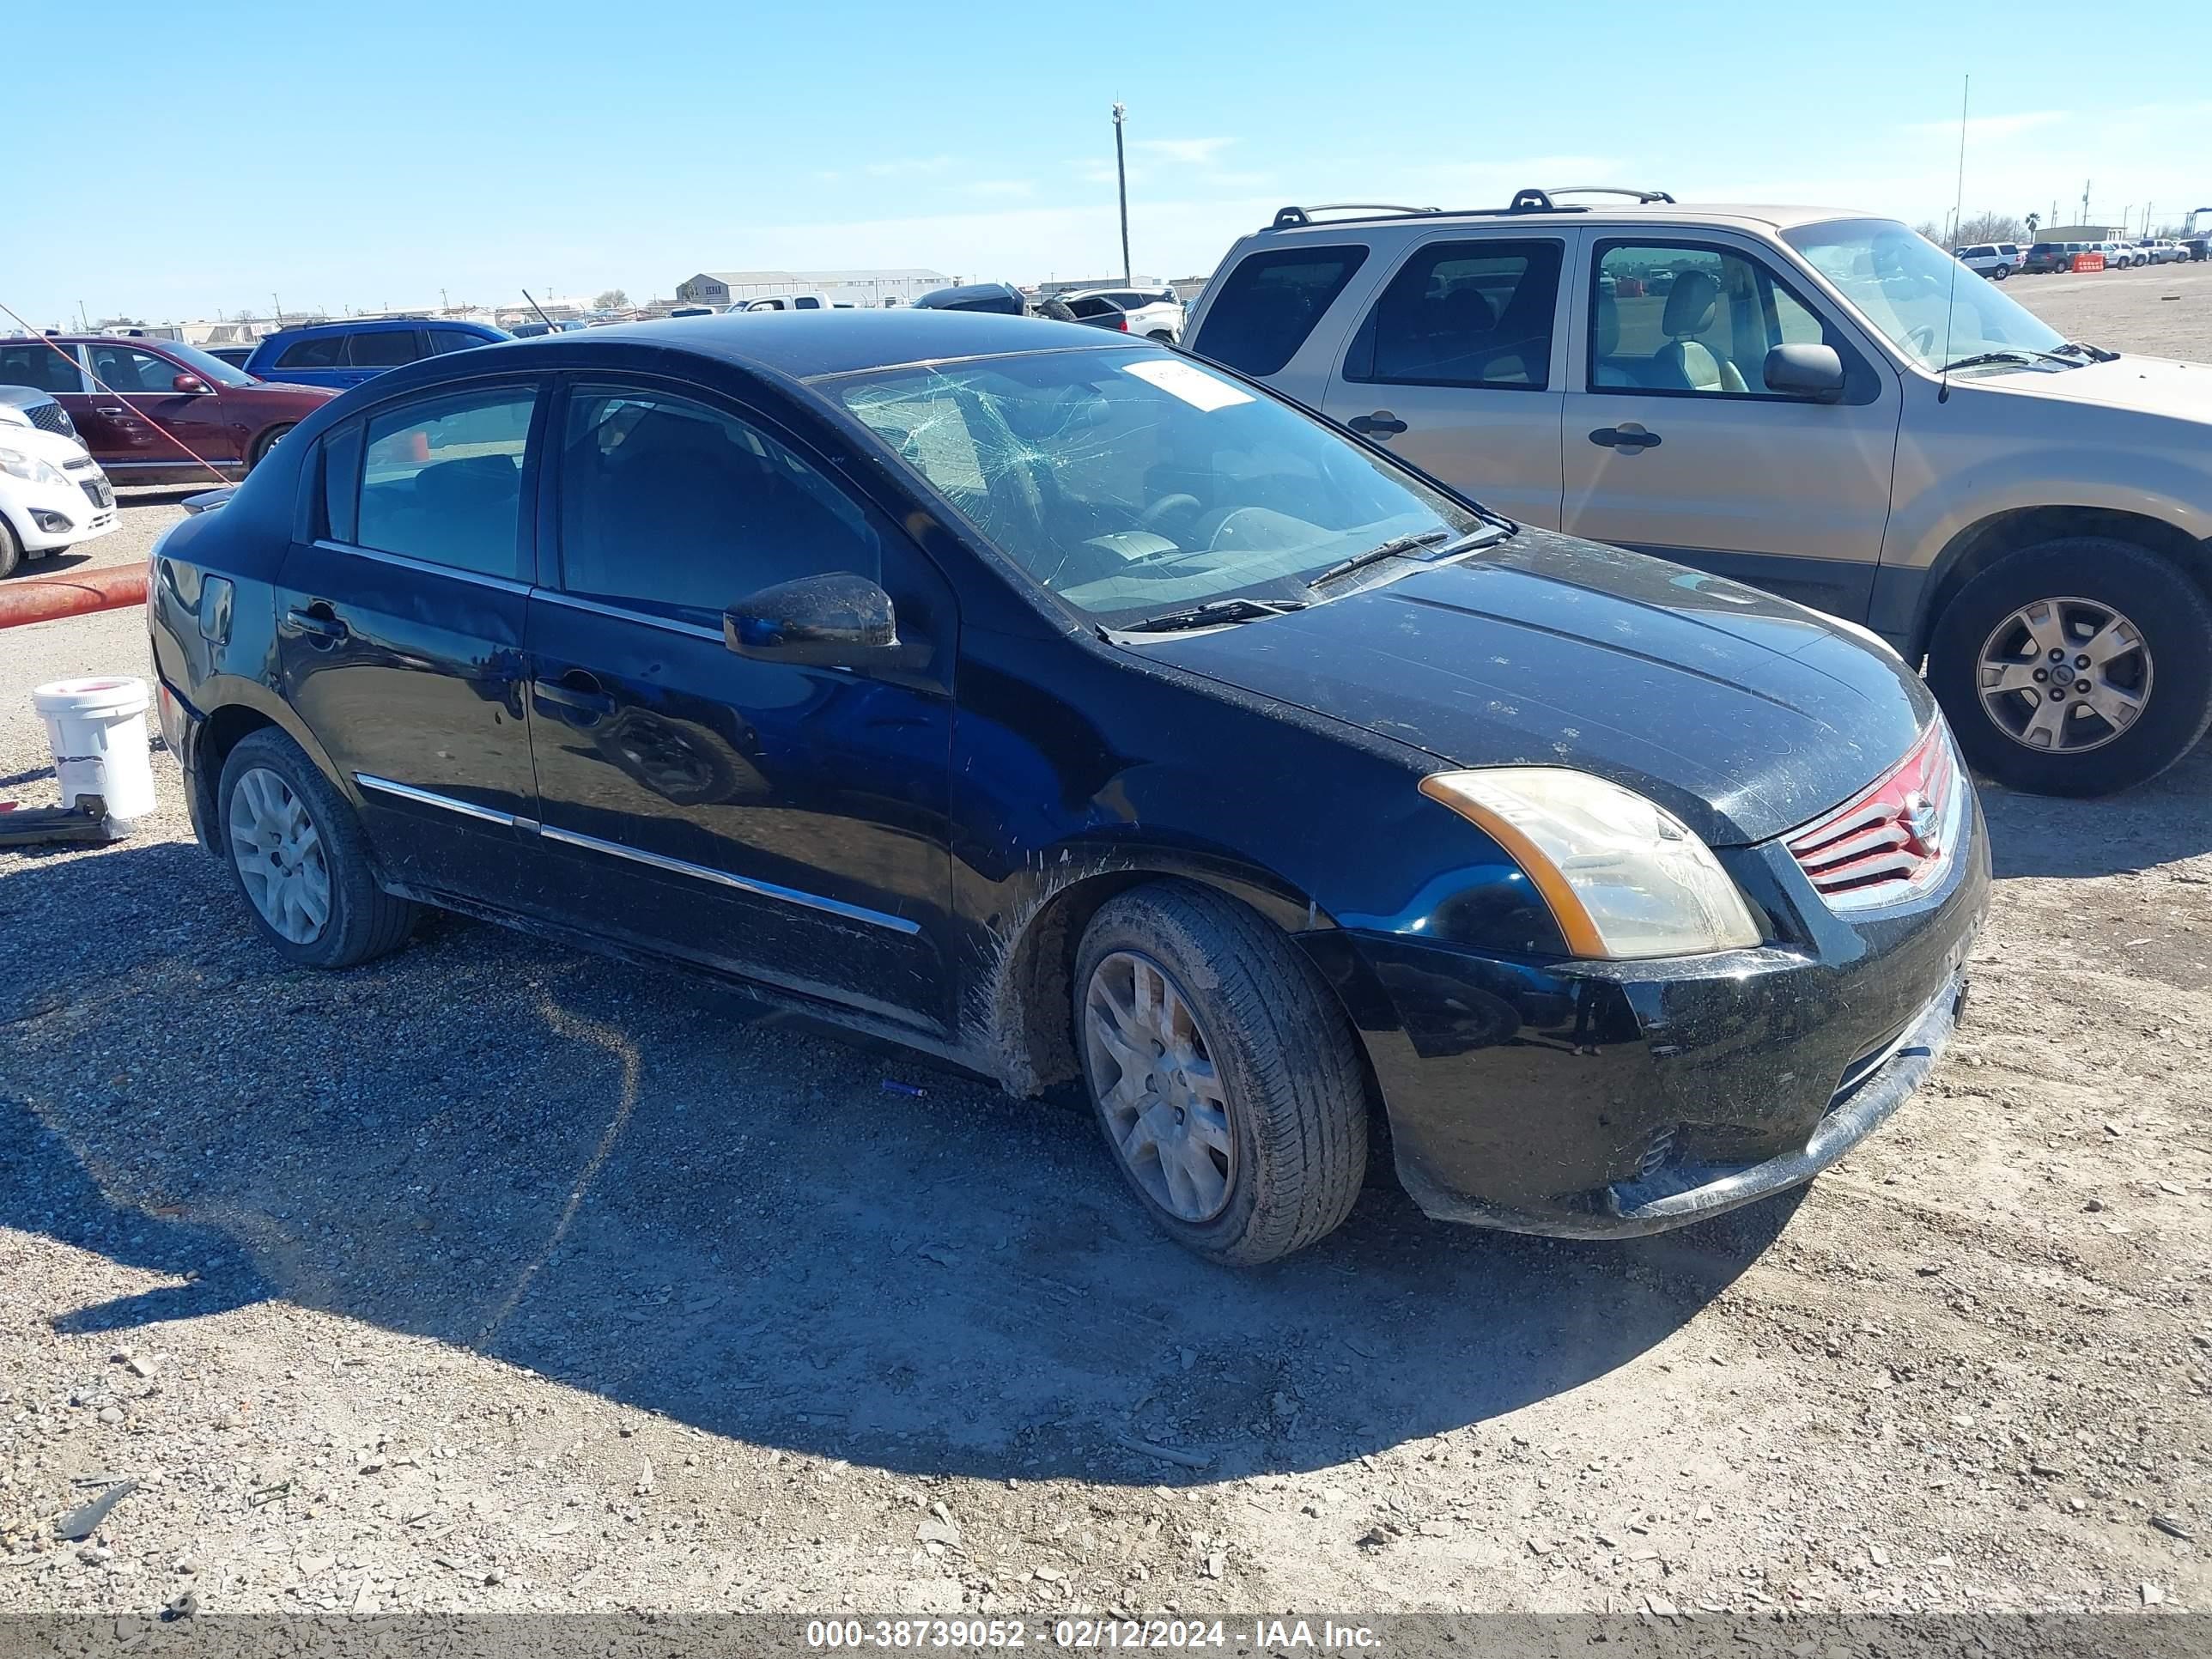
(1160, 1093)
(279, 855)
(2064, 676)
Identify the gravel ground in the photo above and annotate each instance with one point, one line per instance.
(493, 1276)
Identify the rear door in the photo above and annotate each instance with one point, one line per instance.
(1458, 364)
(1673, 445)
(373, 351)
(137, 414)
(785, 823)
(51, 365)
(400, 612)
(317, 359)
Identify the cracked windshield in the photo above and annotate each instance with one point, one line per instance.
(1131, 483)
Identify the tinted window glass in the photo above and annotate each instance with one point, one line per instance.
(318, 352)
(1271, 302)
(1463, 314)
(807, 302)
(1691, 319)
(384, 348)
(35, 364)
(453, 339)
(441, 480)
(125, 368)
(667, 504)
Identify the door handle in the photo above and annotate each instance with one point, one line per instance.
(1381, 424)
(109, 409)
(1630, 437)
(317, 622)
(577, 691)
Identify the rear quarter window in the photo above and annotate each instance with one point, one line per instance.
(323, 351)
(1269, 304)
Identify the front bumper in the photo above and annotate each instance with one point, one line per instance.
(1602, 1099)
(48, 517)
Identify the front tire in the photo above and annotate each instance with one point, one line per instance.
(265, 443)
(12, 549)
(2075, 667)
(301, 858)
(1228, 1084)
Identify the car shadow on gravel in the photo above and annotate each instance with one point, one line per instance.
(2161, 822)
(655, 1191)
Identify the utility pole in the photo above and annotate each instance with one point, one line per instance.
(2085, 201)
(2145, 230)
(444, 304)
(1121, 177)
(83, 322)
(279, 304)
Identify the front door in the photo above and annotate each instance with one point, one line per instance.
(788, 824)
(1674, 446)
(400, 634)
(134, 417)
(1454, 368)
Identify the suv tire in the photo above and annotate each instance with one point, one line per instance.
(2084, 580)
(294, 846)
(1256, 1053)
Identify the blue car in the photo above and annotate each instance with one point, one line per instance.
(346, 354)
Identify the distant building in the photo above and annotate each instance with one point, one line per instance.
(1058, 287)
(2084, 233)
(861, 288)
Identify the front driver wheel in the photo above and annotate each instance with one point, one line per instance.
(299, 857)
(2077, 667)
(1227, 1083)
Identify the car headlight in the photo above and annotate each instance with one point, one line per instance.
(29, 468)
(1623, 877)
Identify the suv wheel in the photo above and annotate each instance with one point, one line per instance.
(1228, 1086)
(300, 856)
(2075, 667)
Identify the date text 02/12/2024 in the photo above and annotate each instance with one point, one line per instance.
(1267, 1635)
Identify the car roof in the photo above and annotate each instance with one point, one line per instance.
(807, 344)
(90, 339)
(1653, 216)
(364, 325)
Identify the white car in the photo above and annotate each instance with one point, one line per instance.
(53, 493)
(1152, 312)
(1995, 260)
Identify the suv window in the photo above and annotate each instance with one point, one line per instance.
(670, 505)
(1674, 319)
(1463, 314)
(441, 480)
(318, 351)
(36, 364)
(384, 348)
(453, 339)
(126, 368)
(807, 302)
(1270, 303)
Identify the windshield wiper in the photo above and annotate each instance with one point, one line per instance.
(2094, 354)
(1214, 612)
(1400, 546)
(2018, 354)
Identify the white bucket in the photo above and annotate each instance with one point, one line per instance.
(98, 731)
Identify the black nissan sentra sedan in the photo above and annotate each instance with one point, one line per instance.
(1082, 715)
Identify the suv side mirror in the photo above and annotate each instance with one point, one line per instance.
(1814, 372)
(189, 383)
(829, 621)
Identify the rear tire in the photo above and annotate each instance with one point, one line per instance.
(295, 847)
(1258, 1087)
(265, 443)
(12, 549)
(1986, 637)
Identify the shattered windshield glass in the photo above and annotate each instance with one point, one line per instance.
(1127, 481)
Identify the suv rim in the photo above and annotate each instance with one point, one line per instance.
(2064, 676)
(279, 856)
(1161, 1098)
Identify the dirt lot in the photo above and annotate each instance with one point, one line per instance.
(493, 1276)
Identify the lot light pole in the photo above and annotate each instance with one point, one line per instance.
(1121, 178)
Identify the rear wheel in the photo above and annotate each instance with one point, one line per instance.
(2077, 667)
(299, 857)
(1226, 1083)
(263, 444)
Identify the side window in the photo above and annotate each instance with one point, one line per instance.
(36, 364)
(807, 302)
(384, 348)
(1466, 315)
(1676, 319)
(666, 504)
(1270, 303)
(441, 480)
(318, 352)
(453, 339)
(124, 368)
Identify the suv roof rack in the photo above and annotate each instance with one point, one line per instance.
(1527, 200)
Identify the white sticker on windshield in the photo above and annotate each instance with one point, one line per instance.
(1188, 382)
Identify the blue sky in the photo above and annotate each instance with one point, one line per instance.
(360, 155)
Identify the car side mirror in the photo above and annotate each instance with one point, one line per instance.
(189, 383)
(829, 621)
(1814, 372)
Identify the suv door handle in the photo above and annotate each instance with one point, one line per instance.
(576, 691)
(1630, 437)
(1381, 424)
(109, 408)
(317, 622)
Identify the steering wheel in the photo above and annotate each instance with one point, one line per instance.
(1923, 341)
(1167, 504)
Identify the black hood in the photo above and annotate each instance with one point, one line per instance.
(1742, 713)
